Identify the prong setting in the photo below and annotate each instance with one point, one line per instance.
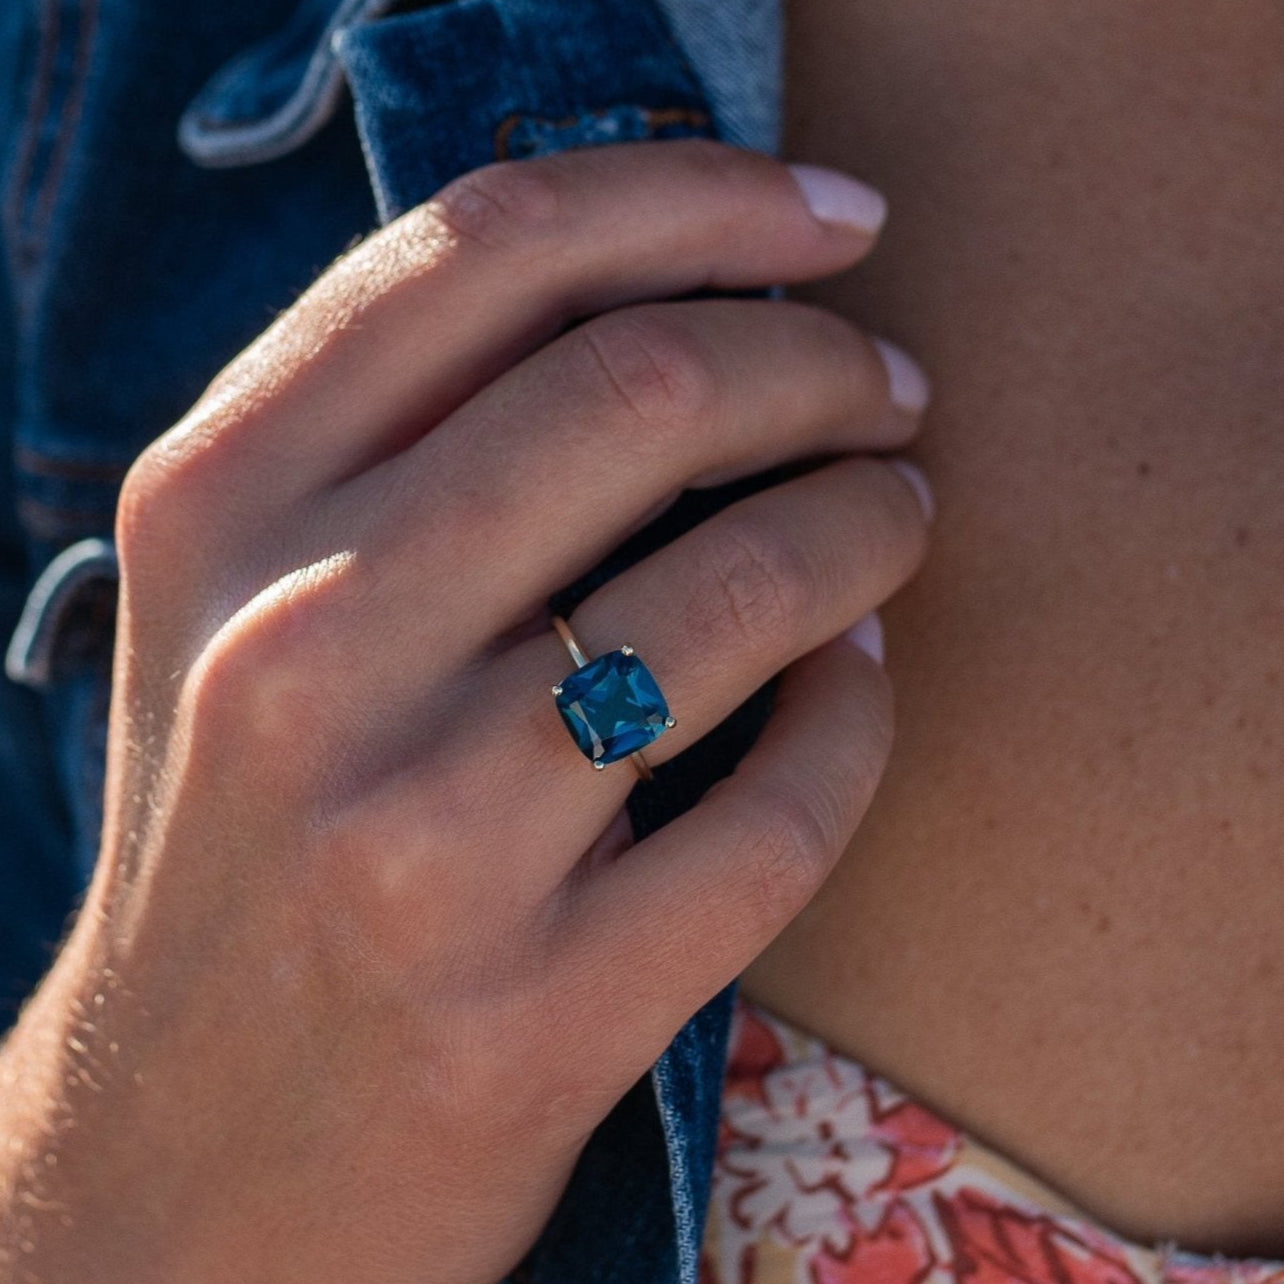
(611, 705)
(670, 721)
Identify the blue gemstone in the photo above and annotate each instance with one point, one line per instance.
(612, 707)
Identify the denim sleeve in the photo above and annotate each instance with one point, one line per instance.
(37, 882)
(128, 276)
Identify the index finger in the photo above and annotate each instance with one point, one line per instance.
(429, 310)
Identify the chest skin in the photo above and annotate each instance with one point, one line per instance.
(1063, 922)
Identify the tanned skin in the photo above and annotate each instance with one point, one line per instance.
(1061, 923)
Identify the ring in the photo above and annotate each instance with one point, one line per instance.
(612, 706)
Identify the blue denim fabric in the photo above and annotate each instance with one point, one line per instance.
(735, 47)
(173, 175)
(276, 95)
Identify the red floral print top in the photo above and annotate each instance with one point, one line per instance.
(827, 1174)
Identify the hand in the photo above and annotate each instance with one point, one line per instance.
(362, 965)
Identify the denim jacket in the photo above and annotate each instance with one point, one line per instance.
(172, 176)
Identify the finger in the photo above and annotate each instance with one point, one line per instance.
(755, 587)
(652, 936)
(542, 473)
(422, 314)
(712, 616)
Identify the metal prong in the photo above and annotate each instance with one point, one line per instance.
(626, 649)
(557, 690)
(601, 766)
(670, 721)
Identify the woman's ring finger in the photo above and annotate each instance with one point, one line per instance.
(706, 620)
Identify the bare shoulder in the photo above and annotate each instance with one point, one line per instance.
(1061, 923)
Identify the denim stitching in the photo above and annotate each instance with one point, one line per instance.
(47, 521)
(56, 99)
(657, 118)
(73, 106)
(38, 464)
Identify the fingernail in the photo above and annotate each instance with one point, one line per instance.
(906, 382)
(836, 198)
(868, 635)
(918, 483)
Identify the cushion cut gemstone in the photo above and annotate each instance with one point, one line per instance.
(612, 707)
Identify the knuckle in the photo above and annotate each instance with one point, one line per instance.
(146, 493)
(790, 841)
(501, 206)
(177, 487)
(653, 370)
(540, 1096)
(804, 826)
(853, 357)
(908, 519)
(726, 165)
(741, 181)
(228, 689)
(253, 694)
(894, 528)
(364, 876)
(870, 380)
(501, 1017)
(869, 724)
(156, 512)
(844, 358)
(753, 585)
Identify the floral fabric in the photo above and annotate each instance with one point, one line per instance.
(827, 1174)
